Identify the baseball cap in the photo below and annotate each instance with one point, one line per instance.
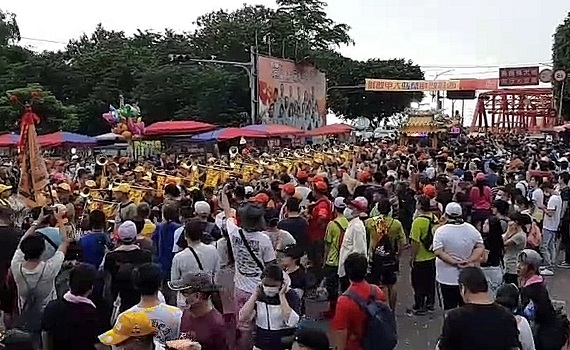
(127, 231)
(260, 198)
(202, 208)
(90, 183)
(530, 257)
(480, 177)
(453, 209)
(58, 177)
(321, 186)
(248, 189)
(139, 169)
(312, 338)
(339, 202)
(364, 176)
(288, 188)
(429, 190)
(4, 188)
(360, 203)
(123, 188)
(302, 175)
(195, 281)
(130, 324)
(64, 186)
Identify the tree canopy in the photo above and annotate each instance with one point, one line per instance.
(561, 59)
(80, 81)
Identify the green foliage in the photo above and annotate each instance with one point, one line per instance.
(81, 81)
(53, 114)
(561, 59)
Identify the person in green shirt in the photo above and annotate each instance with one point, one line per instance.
(333, 240)
(422, 261)
(386, 243)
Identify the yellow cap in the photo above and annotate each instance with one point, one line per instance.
(64, 186)
(4, 188)
(139, 169)
(124, 188)
(90, 184)
(129, 325)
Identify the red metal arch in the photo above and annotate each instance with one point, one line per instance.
(514, 110)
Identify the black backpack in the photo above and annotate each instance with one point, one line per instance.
(381, 332)
(427, 241)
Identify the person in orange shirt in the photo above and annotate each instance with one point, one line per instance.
(320, 214)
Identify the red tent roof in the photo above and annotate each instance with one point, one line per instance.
(61, 138)
(227, 134)
(333, 129)
(179, 127)
(9, 140)
(273, 130)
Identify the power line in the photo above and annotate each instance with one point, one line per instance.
(432, 67)
(44, 40)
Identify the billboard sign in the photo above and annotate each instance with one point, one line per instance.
(411, 85)
(291, 94)
(520, 76)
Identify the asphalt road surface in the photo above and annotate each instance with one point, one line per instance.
(421, 332)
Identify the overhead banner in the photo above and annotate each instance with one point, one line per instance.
(431, 85)
(520, 76)
(291, 94)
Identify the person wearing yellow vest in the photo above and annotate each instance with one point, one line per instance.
(5, 193)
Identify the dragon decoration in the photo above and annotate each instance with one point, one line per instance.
(125, 120)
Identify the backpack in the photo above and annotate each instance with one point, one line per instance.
(380, 332)
(384, 257)
(30, 318)
(427, 240)
(534, 236)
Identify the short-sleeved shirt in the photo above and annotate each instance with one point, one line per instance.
(165, 318)
(350, 317)
(513, 247)
(335, 229)
(419, 231)
(322, 212)
(395, 232)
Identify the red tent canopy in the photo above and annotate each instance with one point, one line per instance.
(62, 138)
(180, 127)
(9, 140)
(333, 129)
(274, 130)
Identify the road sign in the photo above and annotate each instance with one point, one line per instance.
(559, 75)
(545, 75)
(519, 76)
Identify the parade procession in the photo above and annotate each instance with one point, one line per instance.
(253, 181)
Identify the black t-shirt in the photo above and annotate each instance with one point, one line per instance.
(298, 279)
(72, 326)
(298, 227)
(565, 196)
(476, 327)
(9, 239)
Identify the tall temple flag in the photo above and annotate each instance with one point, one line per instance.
(33, 171)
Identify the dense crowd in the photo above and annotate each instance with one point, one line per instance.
(233, 267)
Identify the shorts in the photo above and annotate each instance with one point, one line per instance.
(451, 296)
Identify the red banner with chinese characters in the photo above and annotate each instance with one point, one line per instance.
(479, 84)
(520, 76)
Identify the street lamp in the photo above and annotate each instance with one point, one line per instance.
(250, 68)
(440, 105)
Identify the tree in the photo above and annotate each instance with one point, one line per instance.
(376, 106)
(561, 59)
(53, 114)
(9, 30)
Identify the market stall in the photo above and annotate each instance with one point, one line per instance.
(176, 128)
(65, 139)
(332, 129)
(226, 134)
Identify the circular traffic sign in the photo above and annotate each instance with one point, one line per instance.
(545, 75)
(559, 75)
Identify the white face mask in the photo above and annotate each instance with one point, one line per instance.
(270, 291)
(348, 213)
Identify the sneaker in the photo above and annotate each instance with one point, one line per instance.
(546, 272)
(416, 312)
(430, 309)
(564, 265)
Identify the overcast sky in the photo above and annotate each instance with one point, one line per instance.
(473, 38)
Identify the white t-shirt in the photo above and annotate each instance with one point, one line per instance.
(354, 241)
(525, 333)
(165, 318)
(177, 234)
(185, 261)
(552, 222)
(457, 240)
(538, 197)
(248, 273)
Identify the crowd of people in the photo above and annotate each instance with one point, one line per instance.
(233, 267)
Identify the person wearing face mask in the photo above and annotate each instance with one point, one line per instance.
(275, 308)
(201, 322)
(354, 239)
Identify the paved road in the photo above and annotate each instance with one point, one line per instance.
(421, 332)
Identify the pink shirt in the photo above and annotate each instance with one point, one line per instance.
(481, 202)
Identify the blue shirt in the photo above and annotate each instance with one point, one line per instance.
(53, 234)
(163, 240)
(93, 246)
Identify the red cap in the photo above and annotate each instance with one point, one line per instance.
(288, 188)
(321, 186)
(302, 175)
(360, 203)
(316, 178)
(364, 176)
(429, 190)
(260, 198)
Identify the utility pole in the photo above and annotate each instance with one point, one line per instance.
(250, 68)
(438, 93)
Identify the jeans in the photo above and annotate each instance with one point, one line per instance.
(494, 276)
(548, 246)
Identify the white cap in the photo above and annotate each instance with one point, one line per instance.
(248, 189)
(202, 208)
(562, 159)
(453, 209)
(339, 202)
